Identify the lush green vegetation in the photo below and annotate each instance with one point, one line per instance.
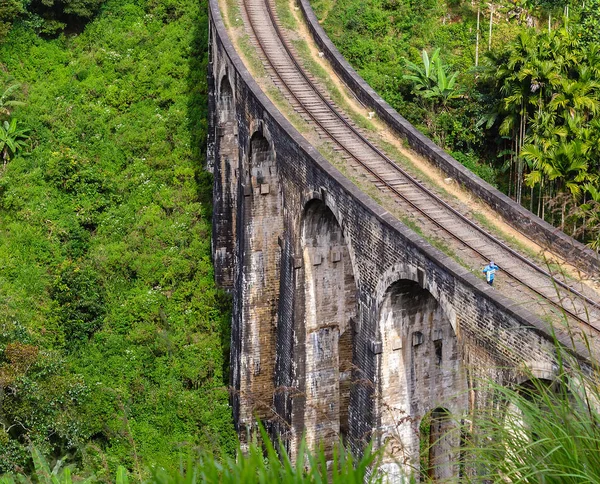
(113, 337)
(258, 464)
(47, 17)
(539, 431)
(515, 100)
(548, 113)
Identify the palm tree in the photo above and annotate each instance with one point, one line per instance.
(544, 137)
(517, 76)
(550, 93)
(568, 167)
(549, 108)
(12, 139)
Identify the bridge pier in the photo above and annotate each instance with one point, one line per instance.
(326, 307)
(419, 371)
(260, 230)
(225, 188)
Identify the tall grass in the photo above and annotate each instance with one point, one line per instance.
(259, 464)
(539, 432)
(265, 465)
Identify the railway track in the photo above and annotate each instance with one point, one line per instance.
(551, 296)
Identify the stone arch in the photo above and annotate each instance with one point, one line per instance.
(323, 196)
(326, 309)
(226, 106)
(530, 388)
(536, 389)
(418, 369)
(225, 185)
(533, 382)
(422, 276)
(261, 230)
(538, 370)
(522, 426)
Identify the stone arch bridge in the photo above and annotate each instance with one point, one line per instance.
(346, 324)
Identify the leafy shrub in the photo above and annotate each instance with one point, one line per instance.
(80, 8)
(79, 299)
(470, 161)
(40, 398)
(49, 17)
(12, 139)
(590, 21)
(9, 11)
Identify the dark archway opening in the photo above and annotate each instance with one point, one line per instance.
(225, 188)
(439, 446)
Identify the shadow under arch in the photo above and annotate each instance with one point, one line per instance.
(419, 369)
(225, 186)
(545, 392)
(439, 436)
(323, 196)
(326, 307)
(531, 414)
(534, 389)
(419, 275)
(226, 100)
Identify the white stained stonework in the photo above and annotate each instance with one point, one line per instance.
(419, 371)
(330, 303)
(264, 224)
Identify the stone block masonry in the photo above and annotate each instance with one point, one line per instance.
(346, 325)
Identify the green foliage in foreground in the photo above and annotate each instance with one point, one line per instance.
(541, 432)
(9, 11)
(12, 139)
(255, 465)
(113, 337)
(537, 432)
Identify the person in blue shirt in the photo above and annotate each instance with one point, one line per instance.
(490, 272)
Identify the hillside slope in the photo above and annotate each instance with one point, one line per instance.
(114, 338)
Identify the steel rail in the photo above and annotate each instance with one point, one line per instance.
(408, 177)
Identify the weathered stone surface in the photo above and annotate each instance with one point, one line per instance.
(345, 323)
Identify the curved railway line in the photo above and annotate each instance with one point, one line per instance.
(550, 296)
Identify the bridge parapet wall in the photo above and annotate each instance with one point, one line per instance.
(279, 348)
(520, 218)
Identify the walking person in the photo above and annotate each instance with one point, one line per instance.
(490, 272)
